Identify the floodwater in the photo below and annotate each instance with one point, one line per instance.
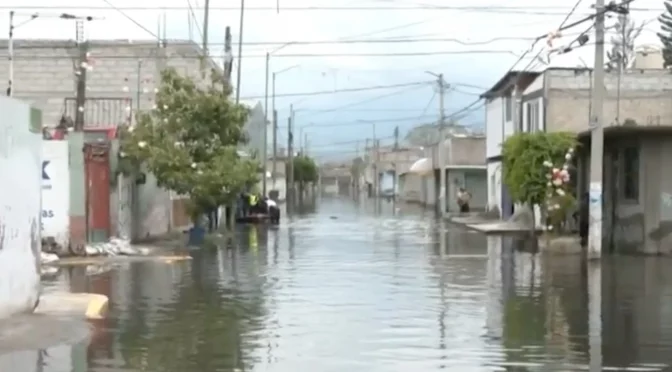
(347, 287)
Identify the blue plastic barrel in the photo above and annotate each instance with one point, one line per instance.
(196, 236)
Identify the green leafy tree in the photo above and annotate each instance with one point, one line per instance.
(665, 34)
(525, 167)
(189, 142)
(305, 171)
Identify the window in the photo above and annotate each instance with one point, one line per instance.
(529, 115)
(533, 116)
(631, 173)
(508, 108)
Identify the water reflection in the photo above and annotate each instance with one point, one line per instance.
(392, 291)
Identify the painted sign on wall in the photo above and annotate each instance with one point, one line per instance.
(56, 192)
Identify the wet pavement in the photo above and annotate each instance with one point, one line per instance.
(348, 287)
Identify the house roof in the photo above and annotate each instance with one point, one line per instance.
(505, 82)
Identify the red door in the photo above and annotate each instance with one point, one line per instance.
(97, 178)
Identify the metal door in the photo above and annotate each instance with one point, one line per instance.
(97, 178)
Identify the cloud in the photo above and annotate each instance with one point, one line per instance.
(505, 27)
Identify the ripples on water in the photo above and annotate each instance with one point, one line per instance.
(343, 289)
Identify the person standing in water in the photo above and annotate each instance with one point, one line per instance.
(463, 199)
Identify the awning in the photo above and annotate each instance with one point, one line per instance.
(423, 166)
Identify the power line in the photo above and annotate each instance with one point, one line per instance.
(195, 20)
(362, 122)
(300, 55)
(346, 90)
(368, 100)
(352, 90)
(396, 40)
(482, 9)
(121, 11)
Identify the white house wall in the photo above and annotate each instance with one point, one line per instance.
(20, 206)
(56, 192)
(494, 117)
(495, 185)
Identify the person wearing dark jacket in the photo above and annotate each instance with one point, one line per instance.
(584, 218)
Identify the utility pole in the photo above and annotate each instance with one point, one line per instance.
(441, 155)
(290, 157)
(228, 58)
(240, 50)
(597, 139)
(275, 147)
(265, 135)
(396, 149)
(206, 24)
(10, 55)
(375, 157)
(80, 72)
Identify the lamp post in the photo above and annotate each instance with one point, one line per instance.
(265, 148)
(275, 121)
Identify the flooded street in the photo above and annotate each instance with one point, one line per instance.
(347, 287)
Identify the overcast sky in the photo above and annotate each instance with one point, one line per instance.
(493, 35)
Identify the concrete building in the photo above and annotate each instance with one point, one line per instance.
(637, 205)
(648, 58)
(464, 166)
(500, 109)
(21, 168)
(254, 130)
(123, 77)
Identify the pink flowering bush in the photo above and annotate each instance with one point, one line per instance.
(559, 198)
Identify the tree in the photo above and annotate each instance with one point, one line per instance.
(305, 171)
(189, 142)
(530, 175)
(665, 35)
(622, 51)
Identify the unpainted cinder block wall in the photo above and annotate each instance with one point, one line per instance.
(44, 76)
(644, 98)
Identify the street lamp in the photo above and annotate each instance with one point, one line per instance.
(265, 152)
(275, 123)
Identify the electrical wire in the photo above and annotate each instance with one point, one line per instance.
(481, 9)
(121, 11)
(345, 90)
(362, 122)
(300, 55)
(193, 17)
(368, 100)
(350, 90)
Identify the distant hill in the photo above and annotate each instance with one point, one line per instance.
(428, 134)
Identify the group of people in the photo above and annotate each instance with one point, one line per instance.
(256, 204)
